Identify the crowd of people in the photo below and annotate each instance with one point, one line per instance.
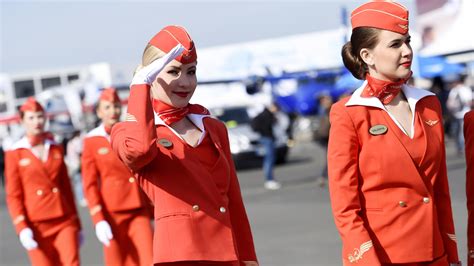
(170, 162)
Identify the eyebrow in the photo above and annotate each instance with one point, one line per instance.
(403, 39)
(179, 67)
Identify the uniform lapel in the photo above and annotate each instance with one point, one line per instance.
(188, 160)
(413, 95)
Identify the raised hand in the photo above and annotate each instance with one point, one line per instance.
(148, 74)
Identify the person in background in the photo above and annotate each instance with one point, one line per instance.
(73, 162)
(459, 103)
(39, 195)
(386, 155)
(181, 158)
(263, 124)
(321, 134)
(469, 152)
(118, 207)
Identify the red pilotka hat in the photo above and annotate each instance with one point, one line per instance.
(169, 37)
(110, 95)
(385, 15)
(31, 105)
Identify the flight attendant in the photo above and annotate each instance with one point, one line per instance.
(116, 203)
(469, 148)
(182, 160)
(39, 195)
(387, 165)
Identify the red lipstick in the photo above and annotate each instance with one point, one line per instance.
(181, 94)
(406, 64)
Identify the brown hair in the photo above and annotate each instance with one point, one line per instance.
(362, 37)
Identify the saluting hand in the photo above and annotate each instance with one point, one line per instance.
(103, 232)
(148, 74)
(26, 239)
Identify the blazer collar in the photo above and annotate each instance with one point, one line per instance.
(23, 143)
(413, 95)
(195, 118)
(98, 132)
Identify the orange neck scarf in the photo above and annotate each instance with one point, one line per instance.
(385, 91)
(40, 138)
(170, 114)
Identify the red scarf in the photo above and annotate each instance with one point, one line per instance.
(108, 130)
(170, 114)
(38, 139)
(385, 91)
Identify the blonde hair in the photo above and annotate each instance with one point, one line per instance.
(150, 54)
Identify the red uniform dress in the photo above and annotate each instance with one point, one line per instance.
(39, 196)
(113, 195)
(389, 192)
(469, 146)
(199, 213)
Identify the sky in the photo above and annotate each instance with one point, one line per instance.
(39, 34)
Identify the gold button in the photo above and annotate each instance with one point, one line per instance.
(402, 203)
(55, 190)
(196, 208)
(471, 253)
(39, 192)
(426, 200)
(222, 209)
(131, 179)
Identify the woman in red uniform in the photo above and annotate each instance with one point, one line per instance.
(116, 203)
(182, 161)
(469, 148)
(39, 195)
(387, 166)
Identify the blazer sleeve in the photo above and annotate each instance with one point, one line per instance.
(238, 215)
(134, 140)
(90, 182)
(469, 151)
(343, 152)
(14, 191)
(66, 188)
(443, 202)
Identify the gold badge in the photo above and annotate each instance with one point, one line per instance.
(165, 143)
(378, 130)
(25, 162)
(57, 155)
(103, 151)
(431, 122)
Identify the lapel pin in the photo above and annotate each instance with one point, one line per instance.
(378, 130)
(24, 162)
(165, 143)
(103, 151)
(431, 122)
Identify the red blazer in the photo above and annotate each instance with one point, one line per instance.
(469, 146)
(194, 220)
(109, 185)
(387, 208)
(36, 190)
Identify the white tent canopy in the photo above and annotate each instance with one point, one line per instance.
(455, 36)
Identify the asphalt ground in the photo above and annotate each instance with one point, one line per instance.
(292, 226)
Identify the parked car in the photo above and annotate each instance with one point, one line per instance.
(244, 142)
